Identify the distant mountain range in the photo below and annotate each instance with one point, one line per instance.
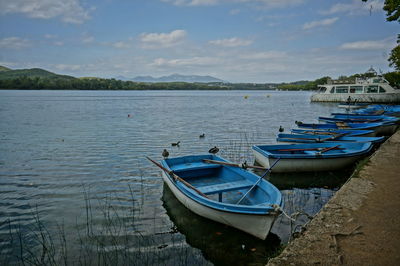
(7, 73)
(176, 78)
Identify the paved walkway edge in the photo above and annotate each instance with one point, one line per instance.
(358, 221)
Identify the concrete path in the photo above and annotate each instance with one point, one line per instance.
(360, 225)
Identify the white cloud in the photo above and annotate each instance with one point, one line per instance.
(117, 44)
(355, 7)
(261, 3)
(192, 2)
(65, 67)
(276, 3)
(319, 23)
(50, 36)
(264, 55)
(162, 40)
(194, 61)
(87, 39)
(14, 43)
(70, 11)
(369, 45)
(231, 42)
(121, 45)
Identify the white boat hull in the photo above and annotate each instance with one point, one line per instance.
(256, 225)
(306, 164)
(365, 98)
(347, 106)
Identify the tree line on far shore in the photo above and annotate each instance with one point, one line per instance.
(59, 82)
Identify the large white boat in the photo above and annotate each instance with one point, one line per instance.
(375, 89)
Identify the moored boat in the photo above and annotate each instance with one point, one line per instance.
(366, 116)
(223, 193)
(375, 89)
(354, 119)
(310, 157)
(351, 106)
(313, 138)
(380, 109)
(332, 132)
(386, 128)
(342, 125)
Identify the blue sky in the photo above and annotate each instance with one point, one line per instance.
(234, 40)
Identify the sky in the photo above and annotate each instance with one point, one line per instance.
(256, 41)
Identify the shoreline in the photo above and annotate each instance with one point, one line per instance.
(359, 225)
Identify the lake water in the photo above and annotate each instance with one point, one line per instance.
(74, 178)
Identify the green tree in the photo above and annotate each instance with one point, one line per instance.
(393, 78)
(394, 58)
(392, 8)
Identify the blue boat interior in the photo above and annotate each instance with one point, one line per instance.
(225, 184)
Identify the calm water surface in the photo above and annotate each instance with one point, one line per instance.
(73, 162)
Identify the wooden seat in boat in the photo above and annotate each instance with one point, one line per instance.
(223, 187)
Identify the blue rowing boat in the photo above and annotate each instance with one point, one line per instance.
(355, 126)
(311, 157)
(386, 127)
(314, 138)
(385, 120)
(332, 132)
(379, 109)
(363, 118)
(376, 127)
(223, 193)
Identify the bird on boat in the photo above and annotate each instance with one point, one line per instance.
(298, 122)
(165, 153)
(202, 136)
(244, 165)
(281, 129)
(175, 143)
(214, 150)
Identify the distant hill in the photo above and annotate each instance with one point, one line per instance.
(178, 78)
(2, 68)
(123, 78)
(6, 73)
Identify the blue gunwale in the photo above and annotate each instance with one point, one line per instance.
(262, 208)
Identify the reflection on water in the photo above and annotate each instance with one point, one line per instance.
(304, 194)
(302, 205)
(327, 180)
